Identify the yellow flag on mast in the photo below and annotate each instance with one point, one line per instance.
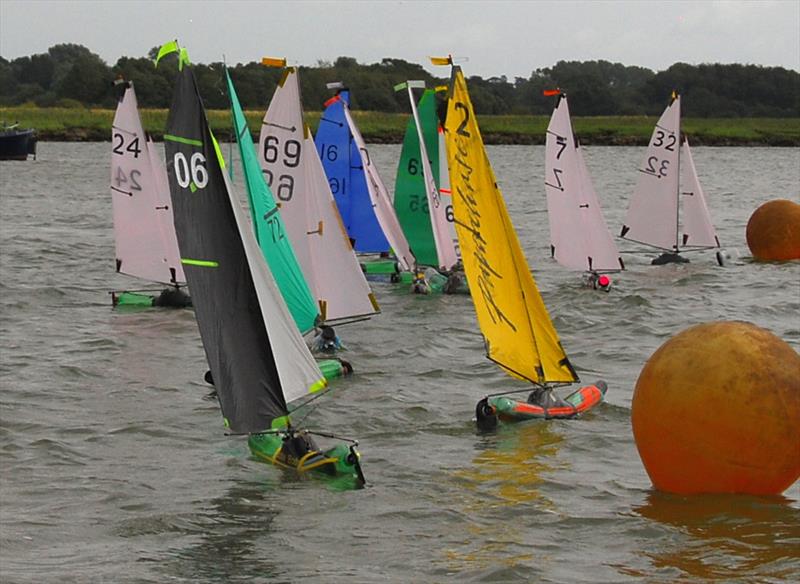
(515, 324)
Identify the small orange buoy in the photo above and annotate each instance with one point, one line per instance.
(716, 409)
(773, 231)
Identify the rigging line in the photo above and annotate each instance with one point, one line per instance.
(294, 431)
(515, 372)
(154, 290)
(130, 132)
(506, 220)
(333, 436)
(343, 322)
(539, 385)
(305, 403)
(643, 243)
(130, 194)
(323, 119)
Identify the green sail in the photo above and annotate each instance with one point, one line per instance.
(410, 198)
(269, 228)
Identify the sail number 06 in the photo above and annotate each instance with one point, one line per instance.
(193, 171)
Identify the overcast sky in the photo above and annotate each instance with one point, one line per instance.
(490, 37)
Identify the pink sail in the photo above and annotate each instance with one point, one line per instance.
(381, 202)
(292, 169)
(445, 250)
(144, 232)
(653, 213)
(579, 236)
(697, 228)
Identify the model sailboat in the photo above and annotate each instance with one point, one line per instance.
(270, 233)
(144, 234)
(293, 171)
(257, 357)
(518, 333)
(270, 230)
(425, 193)
(360, 193)
(654, 214)
(579, 237)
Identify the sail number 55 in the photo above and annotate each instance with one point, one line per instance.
(192, 171)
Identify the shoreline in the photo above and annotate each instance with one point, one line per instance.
(489, 138)
(94, 125)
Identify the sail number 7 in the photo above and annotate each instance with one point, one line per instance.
(190, 172)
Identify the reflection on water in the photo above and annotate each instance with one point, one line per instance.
(726, 536)
(511, 464)
(505, 474)
(227, 542)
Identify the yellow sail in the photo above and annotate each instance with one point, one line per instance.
(515, 324)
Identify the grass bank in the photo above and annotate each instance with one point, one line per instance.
(83, 124)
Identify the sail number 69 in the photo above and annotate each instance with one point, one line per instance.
(198, 173)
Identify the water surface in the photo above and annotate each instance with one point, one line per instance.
(115, 466)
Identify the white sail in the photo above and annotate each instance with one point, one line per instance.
(445, 250)
(297, 368)
(381, 202)
(579, 235)
(144, 233)
(653, 213)
(444, 190)
(294, 172)
(697, 228)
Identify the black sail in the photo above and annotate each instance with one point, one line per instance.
(224, 295)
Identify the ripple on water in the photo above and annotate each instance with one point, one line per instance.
(116, 467)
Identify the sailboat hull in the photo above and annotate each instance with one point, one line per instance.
(340, 460)
(669, 258)
(168, 298)
(578, 402)
(333, 368)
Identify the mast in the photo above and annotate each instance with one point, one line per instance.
(379, 198)
(341, 160)
(445, 251)
(579, 236)
(651, 217)
(269, 227)
(144, 233)
(292, 168)
(254, 350)
(519, 335)
(676, 98)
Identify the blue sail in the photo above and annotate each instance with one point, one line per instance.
(342, 164)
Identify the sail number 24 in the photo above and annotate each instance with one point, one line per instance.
(120, 149)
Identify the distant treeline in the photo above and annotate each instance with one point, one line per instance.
(71, 75)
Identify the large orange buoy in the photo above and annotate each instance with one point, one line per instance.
(773, 231)
(716, 409)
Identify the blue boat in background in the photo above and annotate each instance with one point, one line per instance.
(345, 171)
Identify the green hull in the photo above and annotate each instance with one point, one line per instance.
(132, 299)
(167, 298)
(437, 282)
(380, 267)
(339, 461)
(333, 368)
